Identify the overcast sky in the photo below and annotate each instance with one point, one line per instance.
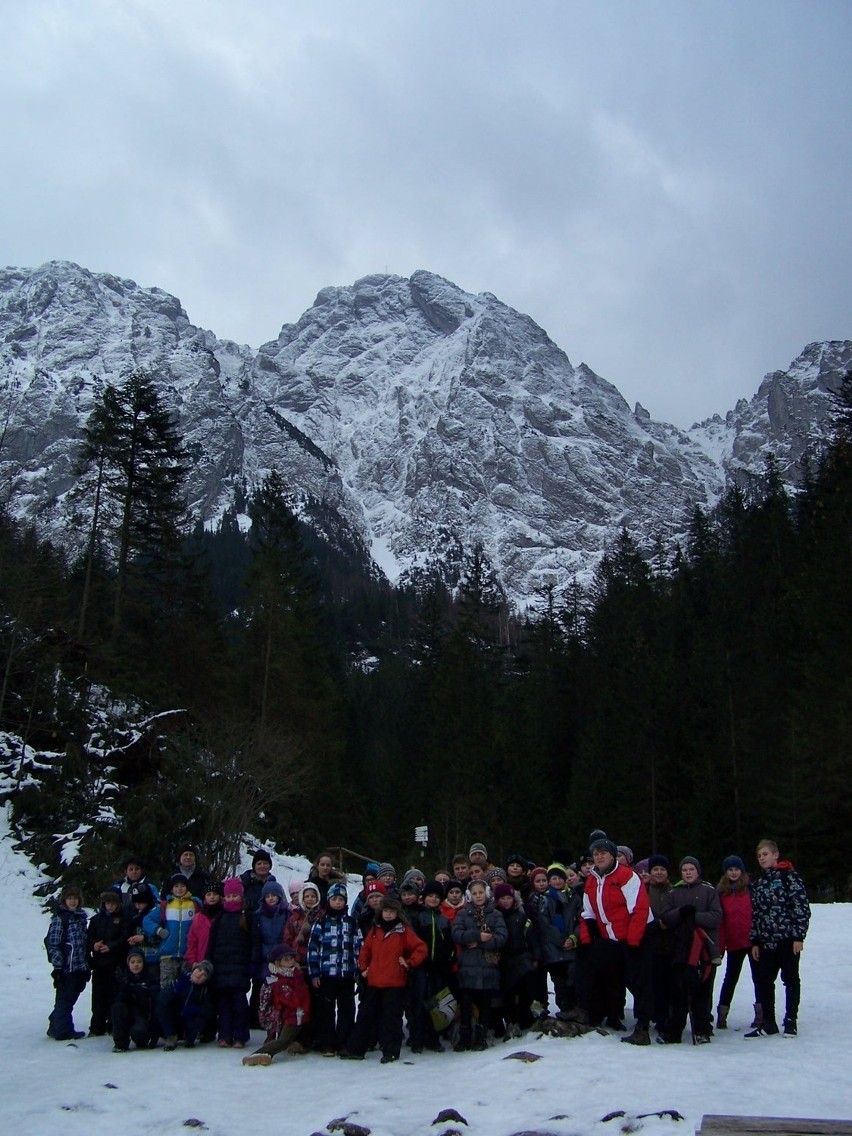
(665, 187)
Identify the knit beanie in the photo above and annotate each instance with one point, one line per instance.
(433, 887)
(557, 870)
(536, 872)
(371, 868)
(214, 886)
(690, 860)
(387, 870)
(261, 854)
(603, 842)
(477, 848)
(337, 889)
(732, 862)
(658, 861)
(295, 886)
(451, 883)
(496, 876)
(135, 952)
(514, 858)
(503, 889)
(415, 875)
(177, 878)
(375, 886)
(272, 887)
(233, 895)
(626, 852)
(207, 966)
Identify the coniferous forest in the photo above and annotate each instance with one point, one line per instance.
(161, 683)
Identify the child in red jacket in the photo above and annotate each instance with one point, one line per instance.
(390, 950)
(285, 1005)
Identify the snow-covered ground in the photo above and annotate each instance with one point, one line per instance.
(83, 1088)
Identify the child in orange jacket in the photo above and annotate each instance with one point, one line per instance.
(390, 950)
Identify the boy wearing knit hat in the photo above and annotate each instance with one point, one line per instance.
(692, 913)
(332, 967)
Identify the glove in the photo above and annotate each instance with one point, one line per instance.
(687, 910)
(163, 933)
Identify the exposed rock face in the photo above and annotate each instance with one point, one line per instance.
(417, 412)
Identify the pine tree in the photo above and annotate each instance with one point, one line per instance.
(133, 469)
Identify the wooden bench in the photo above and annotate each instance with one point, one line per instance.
(772, 1125)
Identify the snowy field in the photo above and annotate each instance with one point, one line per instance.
(83, 1089)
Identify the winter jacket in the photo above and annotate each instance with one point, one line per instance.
(434, 929)
(229, 949)
(479, 965)
(553, 919)
(199, 934)
(267, 932)
(658, 936)
(735, 928)
(66, 941)
(174, 916)
(705, 913)
(516, 957)
(112, 930)
(284, 1000)
(125, 890)
(617, 903)
(780, 911)
(190, 998)
(138, 992)
(334, 946)
(297, 931)
(252, 889)
(383, 947)
(150, 944)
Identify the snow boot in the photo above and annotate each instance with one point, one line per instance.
(722, 1017)
(480, 1042)
(758, 1016)
(257, 1059)
(790, 1027)
(463, 1043)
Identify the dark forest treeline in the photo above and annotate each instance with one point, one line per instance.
(204, 684)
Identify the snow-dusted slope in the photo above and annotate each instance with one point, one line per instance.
(420, 413)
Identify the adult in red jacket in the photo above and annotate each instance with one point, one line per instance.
(613, 953)
(391, 948)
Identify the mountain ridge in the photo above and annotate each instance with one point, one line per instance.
(407, 406)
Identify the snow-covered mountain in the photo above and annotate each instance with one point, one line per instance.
(419, 413)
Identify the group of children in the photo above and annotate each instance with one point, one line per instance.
(474, 950)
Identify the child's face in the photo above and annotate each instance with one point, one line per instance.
(337, 903)
(179, 890)
(198, 976)
(432, 900)
(409, 898)
(462, 871)
(134, 872)
(556, 882)
(733, 874)
(572, 877)
(111, 907)
(272, 900)
(540, 883)
(506, 902)
(135, 964)
(476, 871)
(659, 874)
(515, 870)
(767, 857)
(478, 894)
(310, 899)
(211, 898)
(454, 895)
(689, 873)
(374, 900)
(72, 902)
(388, 915)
